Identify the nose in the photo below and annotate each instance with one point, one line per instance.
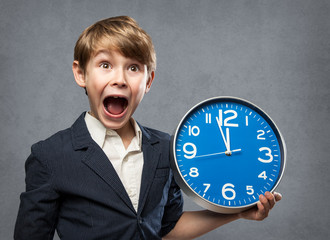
(119, 79)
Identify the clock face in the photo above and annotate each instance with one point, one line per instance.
(227, 152)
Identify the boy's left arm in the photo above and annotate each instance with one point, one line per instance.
(194, 224)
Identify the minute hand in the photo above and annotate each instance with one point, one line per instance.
(223, 136)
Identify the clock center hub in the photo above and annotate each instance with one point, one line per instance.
(228, 153)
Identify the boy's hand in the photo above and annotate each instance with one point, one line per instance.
(196, 223)
(265, 204)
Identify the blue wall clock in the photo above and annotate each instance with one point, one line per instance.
(226, 152)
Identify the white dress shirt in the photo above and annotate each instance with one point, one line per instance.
(128, 163)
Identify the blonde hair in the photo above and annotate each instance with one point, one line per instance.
(120, 33)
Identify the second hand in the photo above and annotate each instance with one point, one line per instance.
(219, 153)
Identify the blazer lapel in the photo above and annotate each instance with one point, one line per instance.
(151, 156)
(96, 159)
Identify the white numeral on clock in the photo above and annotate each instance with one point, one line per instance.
(263, 175)
(208, 118)
(193, 130)
(228, 188)
(268, 154)
(189, 154)
(249, 190)
(261, 133)
(207, 186)
(227, 119)
(193, 172)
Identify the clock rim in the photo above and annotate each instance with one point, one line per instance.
(189, 191)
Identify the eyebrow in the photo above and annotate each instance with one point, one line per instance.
(108, 54)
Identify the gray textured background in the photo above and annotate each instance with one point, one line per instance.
(275, 54)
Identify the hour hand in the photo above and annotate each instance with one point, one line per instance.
(228, 139)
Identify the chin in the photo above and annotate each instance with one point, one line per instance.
(116, 123)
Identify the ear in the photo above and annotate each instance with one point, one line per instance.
(78, 74)
(150, 80)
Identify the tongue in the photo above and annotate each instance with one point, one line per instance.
(115, 105)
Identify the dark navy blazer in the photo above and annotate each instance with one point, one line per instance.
(72, 187)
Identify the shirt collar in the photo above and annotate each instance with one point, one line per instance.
(98, 131)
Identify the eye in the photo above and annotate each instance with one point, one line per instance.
(134, 68)
(105, 65)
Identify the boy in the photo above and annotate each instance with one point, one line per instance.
(107, 177)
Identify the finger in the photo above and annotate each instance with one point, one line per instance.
(265, 202)
(261, 211)
(278, 196)
(263, 207)
(271, 199)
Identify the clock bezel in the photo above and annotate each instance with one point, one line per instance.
(180, 179)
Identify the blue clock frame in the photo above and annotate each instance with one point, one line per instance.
(226, 151)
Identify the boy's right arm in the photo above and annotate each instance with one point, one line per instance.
(38, 209)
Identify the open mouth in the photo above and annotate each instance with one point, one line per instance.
(115, 105)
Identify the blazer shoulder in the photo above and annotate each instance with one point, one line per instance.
(77, 134)
(55, 141)
(156, 134)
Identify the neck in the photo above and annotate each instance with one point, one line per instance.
(126, 133)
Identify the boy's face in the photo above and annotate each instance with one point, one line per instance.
(115, 86)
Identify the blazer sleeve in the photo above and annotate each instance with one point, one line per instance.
(37, 214)
(173, 209)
